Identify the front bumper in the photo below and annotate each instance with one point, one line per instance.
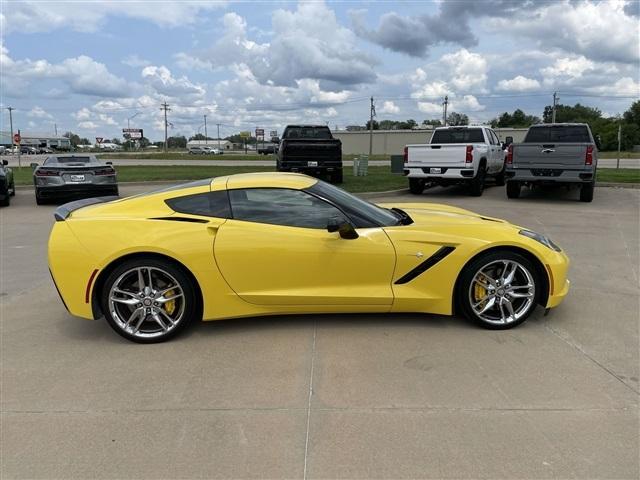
(557, 266)
(550, 175)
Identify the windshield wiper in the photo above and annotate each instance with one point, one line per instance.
(404, 219)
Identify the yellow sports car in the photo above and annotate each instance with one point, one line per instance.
(282, 243)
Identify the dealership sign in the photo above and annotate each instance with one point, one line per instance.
(132, 133)
(245, 134)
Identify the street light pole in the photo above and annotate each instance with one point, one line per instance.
(218, 136)
(206, 139)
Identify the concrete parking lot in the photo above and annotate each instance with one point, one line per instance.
(335, 396)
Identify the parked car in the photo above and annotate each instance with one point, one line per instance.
(310, 149)
(272, 243)
(73, 176)
(554, 154)
(28, 150)
(44, 150)
(455, 155)
(267, 149)
(7, 184)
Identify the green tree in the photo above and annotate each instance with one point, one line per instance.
(517, 119)
(177, 142)
(73, 138)
(432, 123)
(455, 119)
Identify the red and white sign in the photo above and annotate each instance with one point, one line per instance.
(16, 139)
(99, 139)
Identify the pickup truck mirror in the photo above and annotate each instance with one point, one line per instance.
(109, 163)
(508, 141)
(5, 162)
(598, 141)
(34, 165)
(344, 228)
(275, 140)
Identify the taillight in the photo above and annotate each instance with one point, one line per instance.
(510, 154)
(45, 172)
(104, 171)
(588, 156)
(469, 156)
(406, 155)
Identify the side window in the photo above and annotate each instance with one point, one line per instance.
(281, 206)
(209, 204)
(492, 137)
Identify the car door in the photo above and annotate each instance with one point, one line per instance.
(276, 250)
(497, 153)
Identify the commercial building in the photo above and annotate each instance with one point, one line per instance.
(37, 140)
(392, 142)
(224, 144)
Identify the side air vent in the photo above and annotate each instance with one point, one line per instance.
(181, 219)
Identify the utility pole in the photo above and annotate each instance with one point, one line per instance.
(619, 142)
(11, 109)
(444, 111)
(55, 126)
(166, 108)
(218, 125)
(555, 102)
(372, 113)
(206, 138)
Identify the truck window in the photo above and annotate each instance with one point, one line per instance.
(559, 134)
(454, 135)
(318, 133)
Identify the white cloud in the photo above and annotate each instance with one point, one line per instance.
(518, 84)
(39, 112)
(572, 67)
(135, 61)
(188, 62)
(389, 107)
(164, 83)
(39, 16)
(430, 108)
(87, 125)
(468, 70)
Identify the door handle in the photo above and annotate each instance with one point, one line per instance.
(548, 150)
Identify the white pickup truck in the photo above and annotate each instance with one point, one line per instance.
(455, 155)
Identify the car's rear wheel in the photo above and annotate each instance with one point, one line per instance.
(6, 201)
(416, 186)
(149, 300)
(477, 184)
(500, 177)
(498, 290)
(513, 189)
(39, 199)
(586, 192)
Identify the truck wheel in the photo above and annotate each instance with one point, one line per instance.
(586, 192)
(513, 189)
(39, 199)
(6, 201)
(416, 186)
(500, 178)
(477, 184)
(336, 177)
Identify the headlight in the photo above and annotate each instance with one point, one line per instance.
(546, 241)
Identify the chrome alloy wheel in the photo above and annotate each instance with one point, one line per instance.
(502, 292)
(146, 302)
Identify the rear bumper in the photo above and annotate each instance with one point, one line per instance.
(466, 172)
(64, 191)
(550, 175)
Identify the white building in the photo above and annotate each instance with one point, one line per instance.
(223, 144)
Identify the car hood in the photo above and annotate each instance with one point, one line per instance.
(439, 214)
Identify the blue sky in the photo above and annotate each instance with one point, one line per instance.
(88, 66)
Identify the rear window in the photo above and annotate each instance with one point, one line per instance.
(321, 133)
(208, 204)
(69, 160)
(463, 135)
(558, 134)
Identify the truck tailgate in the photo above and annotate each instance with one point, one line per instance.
(437, 155)
(559, 155)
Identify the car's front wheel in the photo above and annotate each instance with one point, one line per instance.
(416, 186)
(148, 300)
(499, 290)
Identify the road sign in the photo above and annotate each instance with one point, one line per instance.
(16, 139)
(132, 133)
(99, 139)
(274, 133)
(245, 134)
(259, 132)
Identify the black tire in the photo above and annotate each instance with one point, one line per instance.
(586, 192)
(463, 300)
(336, 177)
(13, 189)
(416, 186)
(499, 178)
(476, 186)
(513, 189)
(39, 199)
(191, 309)
(6, 201)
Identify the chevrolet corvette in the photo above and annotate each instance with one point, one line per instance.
(285, 243)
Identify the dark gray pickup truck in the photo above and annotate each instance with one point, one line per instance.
(556, 154)
(310, 149)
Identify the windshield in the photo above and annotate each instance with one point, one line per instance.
(362, 213)
(458, 135)
(558, 134)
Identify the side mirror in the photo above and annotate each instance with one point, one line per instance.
(34, 165)
(5, 162)
(598, 141)
(344, 228)
(508, 141)
(109, 163)
(275, 140)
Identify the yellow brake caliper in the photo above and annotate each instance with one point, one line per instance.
(170, 306)
(479, 292)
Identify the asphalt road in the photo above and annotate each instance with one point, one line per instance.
(334, 396)
(268, 162)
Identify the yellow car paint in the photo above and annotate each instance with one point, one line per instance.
(249, 269)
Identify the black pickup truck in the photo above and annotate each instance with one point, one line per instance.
(310, 149)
